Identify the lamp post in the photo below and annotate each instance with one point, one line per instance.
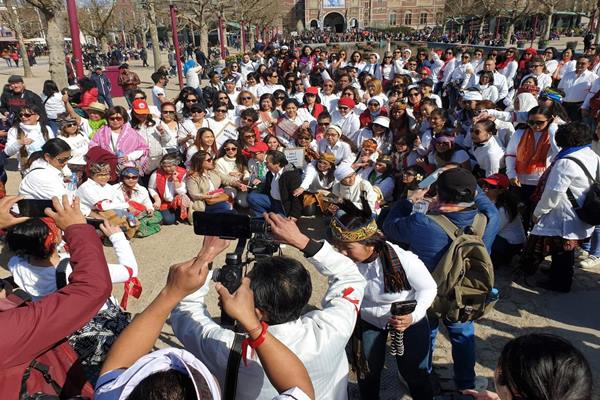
(173, 12)
(75, 42)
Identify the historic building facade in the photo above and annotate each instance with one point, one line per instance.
(344, 14)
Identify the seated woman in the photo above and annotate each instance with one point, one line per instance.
(70, 131)
(167, 188)
(205, 140)
(381, 176)
(99, 199)
(446, 151)
(131, 192)
(389, 280)
(304, 139)
(119, 138)
(204, 185)
(350, 186)
(44, 178)
(232, 163)
(257, 165)
(41, 267)
(317, 183)
(332, 143)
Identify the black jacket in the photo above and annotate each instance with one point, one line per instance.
(289, 181)
(12, 103)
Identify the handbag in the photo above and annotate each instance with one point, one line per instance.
(220, 197)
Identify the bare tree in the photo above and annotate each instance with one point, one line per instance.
(54, 13)
(13, 21)
(515, 11)
(150, 6)
(96, 19)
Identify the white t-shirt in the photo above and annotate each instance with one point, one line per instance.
(157, 92)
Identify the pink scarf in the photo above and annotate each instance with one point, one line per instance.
(129, 140)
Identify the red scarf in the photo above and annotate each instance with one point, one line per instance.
(504, 63)
(161, 184)
(317, 109)
(441, 73)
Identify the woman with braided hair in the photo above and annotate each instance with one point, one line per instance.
(392, 275)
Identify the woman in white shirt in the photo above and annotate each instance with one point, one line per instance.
(332, 143)
(232, 163)
(486, 151)
(316, 183)
(188, 129)
(71, 132)
(556, 221)
(169, 127)
(167, 188)
(28, 135)
(45, 178)
(156, 136)
(486, 86)
(293, 119)
(393, 275)
(53, 103)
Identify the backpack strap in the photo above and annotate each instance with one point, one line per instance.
(479, 224)
(570, 194)
(445, 223)
(45, 371)
(233, 365)
(61, 273)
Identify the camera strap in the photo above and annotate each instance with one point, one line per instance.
(233, 365)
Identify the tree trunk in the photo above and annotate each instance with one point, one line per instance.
(104, 44)
(483, 18)
(548, 26)
(597, 40)
(19, 34)
(56, 58)
(204, 37)
(193, 35)
(251, 33)
(154, 35)
(509, 32)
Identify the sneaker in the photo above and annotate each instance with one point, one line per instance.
(589, 262)
(581, 254)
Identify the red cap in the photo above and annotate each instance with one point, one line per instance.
(531, 51)
(499, 180)
(426, 69)
(345, 101)
(258, 147)
(312, 90)
(140, 107)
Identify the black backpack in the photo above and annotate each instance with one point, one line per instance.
(589, 212)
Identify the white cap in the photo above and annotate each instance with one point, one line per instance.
(382, 120)
(179, 360)
(342, 171)
(472, 95)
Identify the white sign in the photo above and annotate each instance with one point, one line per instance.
(295, 156)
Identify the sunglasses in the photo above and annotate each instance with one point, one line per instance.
(247, 119)
(279, 98)
(220, 110)
(537, 123)
(246, 98)
(209, 160)
(70, 124)
(191, 100)
(249, 137)
(197, 112)
(116, 118)
(373, 104)
(64, 159)
(169, 112)
(25, 115)
(343, 108)
(274, 76)
(324, 123)
(230, 148)
(131, 177)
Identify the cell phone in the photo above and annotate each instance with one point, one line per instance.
(95, 222)
(403, 307)
(225, 225)
(34, 208)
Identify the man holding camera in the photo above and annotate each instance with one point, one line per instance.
(282, 288)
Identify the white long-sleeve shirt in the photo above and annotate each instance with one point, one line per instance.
(42, 182)
(377, 304)
(341, 151)
(41, 281)
(511, 156)
(350, 124)
(170, 190)
(509, 72)
(576, 87)
(318, 338)
(93, 196)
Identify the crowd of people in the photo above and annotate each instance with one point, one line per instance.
(431, 169)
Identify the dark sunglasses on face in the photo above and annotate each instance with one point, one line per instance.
(70, 124)
(169, 112)
(209, 160)
(25, 115)
(324, 123)
(342, 108)
(131, 177)
(537, 123)
(64, 159)
(246, 98)
(220, 110)
(279, 98)
(116, 118)
(191, 100)
(230, 148)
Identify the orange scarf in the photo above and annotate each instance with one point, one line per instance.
(531, 158)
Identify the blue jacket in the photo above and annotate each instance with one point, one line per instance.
(102, 83)
(427, 239)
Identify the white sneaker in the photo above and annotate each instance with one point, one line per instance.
(581, 254)
(589, 262)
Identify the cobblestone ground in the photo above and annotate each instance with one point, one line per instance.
(520, 310)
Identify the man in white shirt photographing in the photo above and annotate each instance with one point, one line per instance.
(282, 288)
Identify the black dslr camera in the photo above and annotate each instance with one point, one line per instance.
(254, 232)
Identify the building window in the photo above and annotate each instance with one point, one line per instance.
(408, 19)
(393, 19)
(423, 18)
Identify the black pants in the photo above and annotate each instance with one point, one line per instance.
(412, 365)
(503, 251)
(561, 269)
(525, 192)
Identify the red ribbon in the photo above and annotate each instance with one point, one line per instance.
(132, 286)
(254, 343)
(347, 292)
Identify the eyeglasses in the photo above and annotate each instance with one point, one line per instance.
(536, 123)
(194, 100)
(252, 136)
(209, 160)
(70, 124)
(197, 112)
(536, 65)
(169, 112)
(373, 104)
(64, 159)
(116, 118)
(25, 115)
(414, 94)
(248, 119)
(220, 110)
(230, 148)
(131, 177)
(343, 108)
(324, 123)
(246, 98)
(280, 98)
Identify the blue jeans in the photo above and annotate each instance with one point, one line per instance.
(592, 246)
(261, 203)
(169, 216)
(462, 338)
(412, 365)
(221, 207)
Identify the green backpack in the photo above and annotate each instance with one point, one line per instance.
(149, 225)
(465, 274)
